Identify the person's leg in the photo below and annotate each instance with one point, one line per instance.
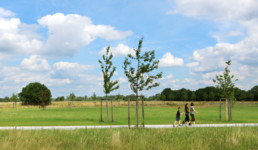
(174, 124)
(187, 119)
(193, 119)
(189, 122)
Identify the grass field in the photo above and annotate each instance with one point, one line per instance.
(177, 138)
(63, 116)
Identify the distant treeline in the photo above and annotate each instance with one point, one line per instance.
(205, 94)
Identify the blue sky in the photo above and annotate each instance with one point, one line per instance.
(59, 42)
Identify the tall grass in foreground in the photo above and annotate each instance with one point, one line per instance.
(177, 138)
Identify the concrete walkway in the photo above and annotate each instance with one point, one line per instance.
(124, 126)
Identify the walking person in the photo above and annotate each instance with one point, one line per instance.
(187, 119)
(178, 117)
(192, 110)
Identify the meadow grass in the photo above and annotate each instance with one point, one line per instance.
(176, 138)
(33, 116)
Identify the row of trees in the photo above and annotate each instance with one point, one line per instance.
(137, 68)
(209, 93)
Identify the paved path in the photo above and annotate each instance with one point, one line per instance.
(123, 126)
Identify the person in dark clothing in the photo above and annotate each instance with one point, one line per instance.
(187, 119)
(178, 117)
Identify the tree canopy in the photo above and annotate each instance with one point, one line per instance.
(32, 94)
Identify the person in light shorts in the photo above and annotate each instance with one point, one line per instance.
(192, 110)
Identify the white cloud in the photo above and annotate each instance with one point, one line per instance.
(13, 40)
(235, 33)
(168, 60)
(61, 78)
(192, 64)
(68, 66)
(67, 34)
(35, 63)
(189, 82)
(122, 80)
(217, 9)
(234, 19)
(71, 70)
(170, 76)
(5, 13)
(119, 50)
(207, 82)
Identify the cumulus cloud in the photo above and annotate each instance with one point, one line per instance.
(67, 34)
(192, 64)
(61, 78)
(168, 60)
(71, 70)
(68, 66)
(13, 40)
(6, 13)
(122, 80)
(217, 9)
(35, 63)
(210, 61)
(119, 50)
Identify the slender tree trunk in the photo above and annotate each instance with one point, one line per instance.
(143, 112)
(230, 109)
(226, 109)
(129, 123)
(107, 108)
(101, 111)
(220, 111)
(136, 112)
(112, 110)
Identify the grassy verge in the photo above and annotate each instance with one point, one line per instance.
(178, 138)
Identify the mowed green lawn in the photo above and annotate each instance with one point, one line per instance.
(244, 113)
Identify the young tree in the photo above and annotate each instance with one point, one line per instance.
(226, 83)
(71, 97)
(14, 99)
(139, 76)
(108, 70)
(94, 96)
